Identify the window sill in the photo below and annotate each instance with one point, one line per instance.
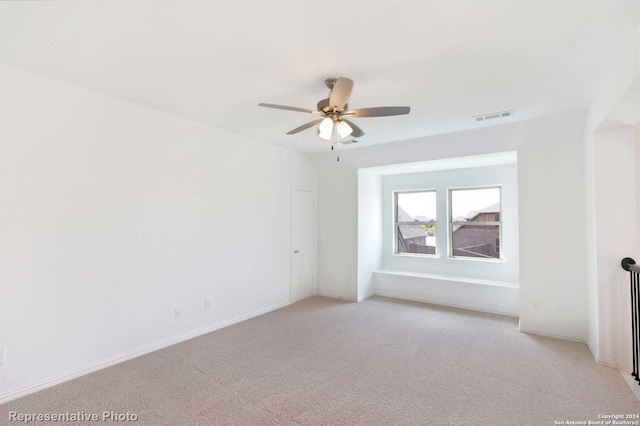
(418, 256)
(477, 259)
(439, 256)
(448, 278)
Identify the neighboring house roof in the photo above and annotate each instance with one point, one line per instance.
(458, 219)
(471, 216)
(412, 231)
(493, 208)
(409, 231)
(403, 216)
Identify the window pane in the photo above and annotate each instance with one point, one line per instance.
(477, 205)
(417, 206)
(420, 239)
(476, 241)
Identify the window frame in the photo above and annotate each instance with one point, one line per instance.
(451, 224)
(396, 223)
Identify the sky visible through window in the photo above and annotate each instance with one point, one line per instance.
(419, 204)
(423, 204)
(466, 201)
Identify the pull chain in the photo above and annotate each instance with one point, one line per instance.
(335, 139)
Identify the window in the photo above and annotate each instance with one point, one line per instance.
(415, 222)
(475, 229)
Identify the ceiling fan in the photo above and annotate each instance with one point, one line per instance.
(334, 112)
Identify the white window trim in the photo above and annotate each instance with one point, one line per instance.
(451, 224)
(428, 223)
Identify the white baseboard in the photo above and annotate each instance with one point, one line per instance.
(633, 384)
(594, 351)
(613, 364)
(365, 296)
(335, 296)
(548, 333)
(443, 303)
(125, 356)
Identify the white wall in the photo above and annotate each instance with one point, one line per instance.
(113, 215)
(637, 151)
(456, 291)
(370, 231)
(504, 176)
(338, 232)
(551, 207)
(616, 237)
(621, 77)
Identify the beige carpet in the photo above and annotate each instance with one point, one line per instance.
(382, 361)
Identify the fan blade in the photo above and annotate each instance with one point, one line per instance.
(340, 93)
(289, 108)
(357, 131)
(378, 112)
(305, 126)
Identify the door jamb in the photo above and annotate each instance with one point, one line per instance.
(315, 240)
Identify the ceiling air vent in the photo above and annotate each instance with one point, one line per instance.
(493, 115)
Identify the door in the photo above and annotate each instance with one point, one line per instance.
(303, 230)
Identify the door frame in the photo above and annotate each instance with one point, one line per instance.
(314, 284)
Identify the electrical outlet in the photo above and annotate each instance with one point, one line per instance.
(537, 306)
(178, 313)
(207, 304)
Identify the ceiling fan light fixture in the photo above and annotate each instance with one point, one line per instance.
(325, 134)
(326, 126)
(332, 109)
(344, 129)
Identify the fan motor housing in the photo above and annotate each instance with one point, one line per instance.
(323, 105)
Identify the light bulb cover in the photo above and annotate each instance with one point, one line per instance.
(344, 129)
(326, 135)
(326, 126)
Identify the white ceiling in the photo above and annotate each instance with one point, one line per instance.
(213, 62)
